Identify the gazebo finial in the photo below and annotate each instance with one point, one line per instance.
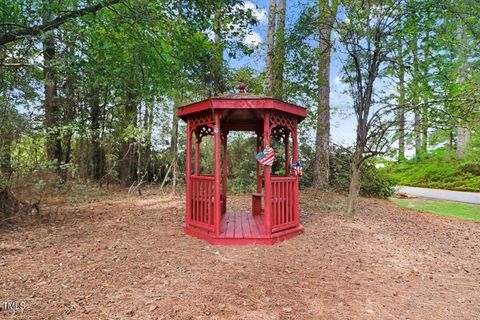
(242, 87)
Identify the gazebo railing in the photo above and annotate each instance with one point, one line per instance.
(283, 203)
(202, 194)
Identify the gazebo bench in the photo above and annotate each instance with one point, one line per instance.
(257, 203)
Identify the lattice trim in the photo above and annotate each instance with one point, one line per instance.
(203, 131)
(282, 120)
(203, 119)
(279, 122)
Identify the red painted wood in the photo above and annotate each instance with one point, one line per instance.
(238, 232)
(188, 193)
(260, 240)
(217, 204)
(193, 108)
(296, 209)
(224, 172)
(260, 222)
(206, 195)
(261, 104)
(284, 215)
(266, 175)
(194, 202)
(197, 158)
(256, 203)
(247, 233)
(230, 233)
(244, 125)
(287, 153)
(201, 210)
(255, 232)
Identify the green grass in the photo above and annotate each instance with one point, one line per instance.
(445, 208)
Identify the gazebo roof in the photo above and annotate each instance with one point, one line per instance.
(242, 103)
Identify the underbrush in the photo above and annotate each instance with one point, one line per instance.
(375, 182)
(439, 169)
(29, 195)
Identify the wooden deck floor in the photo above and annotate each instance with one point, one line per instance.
(239, 225)
(242, 228)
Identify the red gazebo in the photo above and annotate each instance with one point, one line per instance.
(275, 208)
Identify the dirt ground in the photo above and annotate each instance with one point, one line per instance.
(126, 257)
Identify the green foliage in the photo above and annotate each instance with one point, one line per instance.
(438, 169)
(251, 78)
(375, 182)
(79, 193)
(118, 73)
(121, 73)
(242, 163)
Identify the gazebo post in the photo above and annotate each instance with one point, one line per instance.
(217, 210)
(266, 176)
(188, 192)
(296, 211)
(287, 153)
(259, 180)
(197, 154)
(224, 170)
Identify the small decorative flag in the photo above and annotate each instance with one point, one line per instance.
(267, 156)
(297, 168)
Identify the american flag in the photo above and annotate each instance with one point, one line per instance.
(297, 168)
(267, 157)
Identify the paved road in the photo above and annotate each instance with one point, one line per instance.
(459, 196)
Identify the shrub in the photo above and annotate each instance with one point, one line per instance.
(374, 181)
(439, 169)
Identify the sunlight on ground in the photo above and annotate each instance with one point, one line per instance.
(446, 208)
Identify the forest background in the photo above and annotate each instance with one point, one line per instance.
(89, 91)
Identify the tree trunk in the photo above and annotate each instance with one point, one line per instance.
(272, 12)
(362, 110)
(5, 161)
(418, 133)
(148, 127)
(322, 167)
(70, 106)
(6, 138)
(218, 62)
(355, 181)
(463, 131)
(126, 167)
(424, 132)
(174, 146)
(50, 104)
(82, 159)
(279, 56)
(96, 153)
(401, 104)
(417, 121)
(463, 137)
(450, 141)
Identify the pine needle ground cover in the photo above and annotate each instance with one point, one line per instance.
(126, 257)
